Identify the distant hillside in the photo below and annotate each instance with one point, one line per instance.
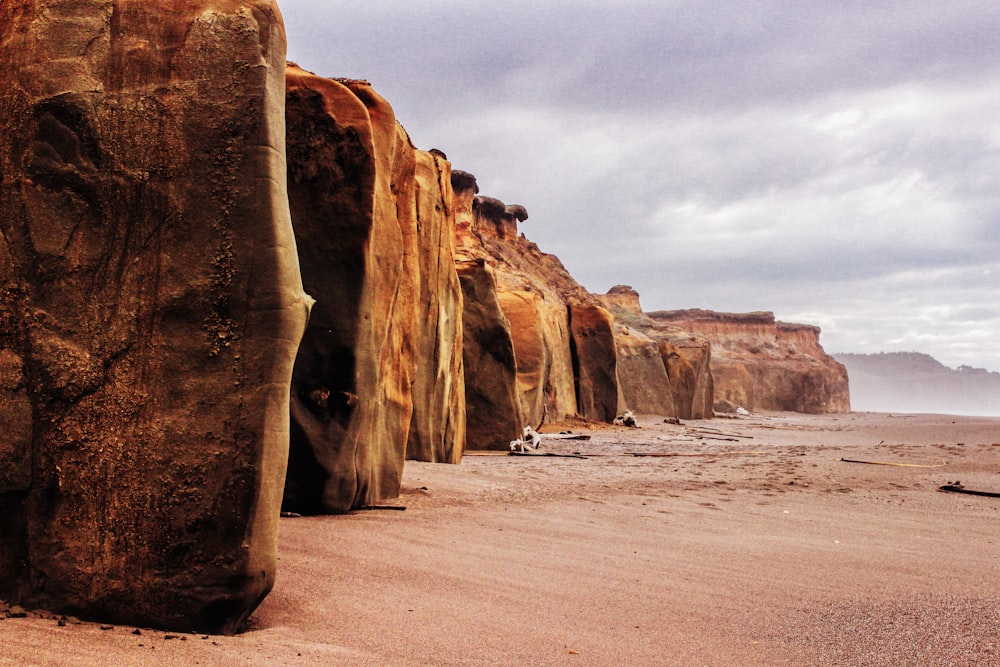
(915, 382)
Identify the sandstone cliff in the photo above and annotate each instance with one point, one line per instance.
(564, 359)
(762, 364)
(150, 307)
(665, 369)
(379, 373)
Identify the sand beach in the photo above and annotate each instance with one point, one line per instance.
(748, 541)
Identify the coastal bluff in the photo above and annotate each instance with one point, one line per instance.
(759, 363)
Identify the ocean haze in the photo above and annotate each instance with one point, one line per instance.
(915, 382)
(835, 163)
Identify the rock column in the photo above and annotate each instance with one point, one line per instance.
(150, 307)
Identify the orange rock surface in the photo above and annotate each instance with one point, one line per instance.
(666, 370)
(762, 364)
(562, 337)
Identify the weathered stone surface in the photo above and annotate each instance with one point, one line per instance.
(16, 417)
(379, 369)
(437, 431)
(595, 362)
(150, 307)
(646, 387)
(761, 364)
(688, 360)
(538, 298)
(663, 369)
(493, 410)
(539, 330)
(350, 406)
(532, 355)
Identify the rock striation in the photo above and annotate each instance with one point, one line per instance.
(665, 369)
(759, 363)
(437, 430)
(150, 307)
(378, 376)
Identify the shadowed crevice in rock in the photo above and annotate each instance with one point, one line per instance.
(378, 375)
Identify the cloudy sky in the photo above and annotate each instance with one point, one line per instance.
(837, 163)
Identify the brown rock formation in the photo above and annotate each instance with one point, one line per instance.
(664, 369)
(646, 387)
(437, 431)
(150, 307)
(564, 352)
(533, 354)
(595, 361)
(379, 366)
(493, 411)
(761, 364)
(688, 360)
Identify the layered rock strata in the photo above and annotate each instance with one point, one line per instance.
(761, 364)
(150, 307)
(665, 370)
(379, 373)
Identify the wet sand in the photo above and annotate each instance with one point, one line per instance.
(728, 542)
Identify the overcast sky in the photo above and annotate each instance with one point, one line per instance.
(837, 163)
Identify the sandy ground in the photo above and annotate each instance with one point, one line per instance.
(752, 544)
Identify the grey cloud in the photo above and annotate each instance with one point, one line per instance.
(623, 55)
(833, 162)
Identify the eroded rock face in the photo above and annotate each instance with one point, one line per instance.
(539, 330)
(761, 364)
(533, 354)
(493, 409)
(646, 387)
(561, 371)
(688, 360)
(150, 307)
(438, 428)
(595, 361)
(664, 369)
(380, 366)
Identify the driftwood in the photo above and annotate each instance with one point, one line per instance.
(712, 431)
(545, 413)
(696, 453)
(898, 465)
(958, 488)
